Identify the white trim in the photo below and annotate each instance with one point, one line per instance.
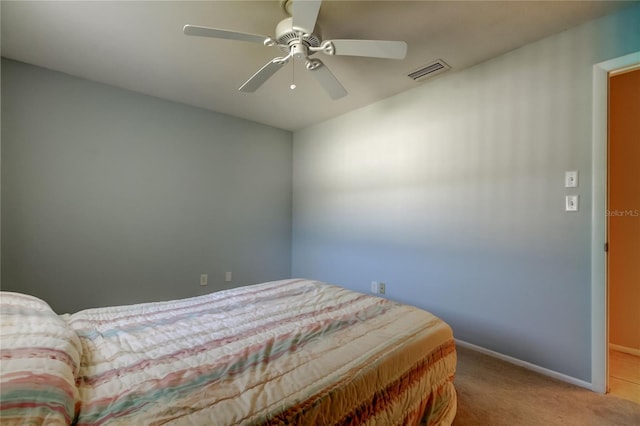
(598, 218)
(525, 364)
(625, 349)
(624, 70)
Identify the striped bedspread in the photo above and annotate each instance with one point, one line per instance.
(39, 363)
(288, 352)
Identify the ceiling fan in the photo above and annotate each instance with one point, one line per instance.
(295, 36)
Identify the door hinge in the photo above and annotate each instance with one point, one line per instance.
(606, 247)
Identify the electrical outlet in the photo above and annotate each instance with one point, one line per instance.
(227, 277)
(374, 287)
(382, 288)
(203, 279)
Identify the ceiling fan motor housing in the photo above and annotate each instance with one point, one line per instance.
(295, 39)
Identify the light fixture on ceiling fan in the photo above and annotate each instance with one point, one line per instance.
(295, 36)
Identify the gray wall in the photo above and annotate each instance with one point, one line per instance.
(112, 197)
(453, 194)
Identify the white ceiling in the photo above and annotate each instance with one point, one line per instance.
(139, 45)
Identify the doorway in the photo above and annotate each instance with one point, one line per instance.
(623, 231)
(599, 297)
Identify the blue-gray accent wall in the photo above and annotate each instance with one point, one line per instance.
(112, 197)
(453, 195)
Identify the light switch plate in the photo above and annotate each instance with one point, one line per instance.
(571, 179)
(571, 203)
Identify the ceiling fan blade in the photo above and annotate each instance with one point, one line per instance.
(195, 30)
(327, 80)
(261, 76)
(305, 13)
(371, 48)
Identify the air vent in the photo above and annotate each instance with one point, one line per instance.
(429, 70)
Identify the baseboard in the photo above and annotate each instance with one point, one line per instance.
(625, 349)
(527, 365)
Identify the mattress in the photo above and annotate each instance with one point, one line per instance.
(278, 353)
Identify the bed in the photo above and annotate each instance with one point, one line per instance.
(288, 352)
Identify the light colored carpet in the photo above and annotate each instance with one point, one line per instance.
(492, 392)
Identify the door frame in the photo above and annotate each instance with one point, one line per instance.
(599, 314)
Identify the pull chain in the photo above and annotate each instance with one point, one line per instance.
(293, 74)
